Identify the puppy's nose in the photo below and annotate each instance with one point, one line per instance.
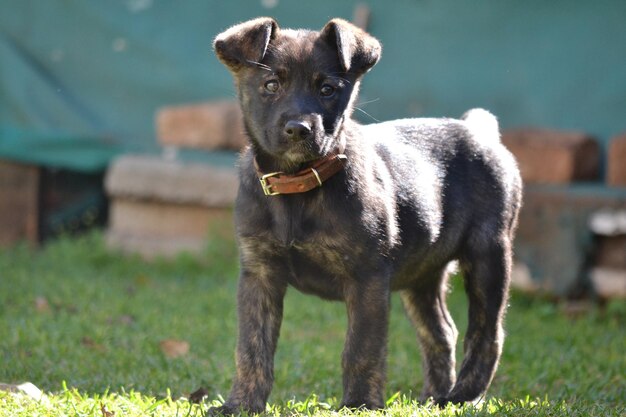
(297, 130)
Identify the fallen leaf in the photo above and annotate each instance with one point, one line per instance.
(42, 305)
(105, 412)
(142, 280)
(91, 344)
(173, 348)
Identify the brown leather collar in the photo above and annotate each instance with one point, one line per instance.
(322, 169)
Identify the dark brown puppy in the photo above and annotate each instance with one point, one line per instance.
(351, 212)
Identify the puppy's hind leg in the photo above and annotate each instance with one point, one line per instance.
(486, 267)
(437, 335)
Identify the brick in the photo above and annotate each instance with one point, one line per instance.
(616, 162)
(19, 203)
(554, 157)
(554, 238)
(212, 125)
(157, 179)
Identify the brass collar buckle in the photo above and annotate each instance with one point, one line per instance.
(267, 187)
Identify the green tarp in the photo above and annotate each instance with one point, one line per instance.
(80, 80)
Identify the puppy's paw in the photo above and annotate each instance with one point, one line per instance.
(362, 405)
(222, 411)
(227, 410)
(442, 402)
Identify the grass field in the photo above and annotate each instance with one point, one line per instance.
(91, 328)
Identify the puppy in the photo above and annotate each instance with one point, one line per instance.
(351, 212)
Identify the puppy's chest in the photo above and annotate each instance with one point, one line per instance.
(319, 250)
(321, 265)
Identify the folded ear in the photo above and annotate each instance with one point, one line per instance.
(245, 44)
(358, 51)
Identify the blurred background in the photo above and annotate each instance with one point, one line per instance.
(118, 114)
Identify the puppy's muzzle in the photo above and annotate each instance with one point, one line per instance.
(297, 130)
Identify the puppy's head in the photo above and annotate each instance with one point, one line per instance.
(296, 87)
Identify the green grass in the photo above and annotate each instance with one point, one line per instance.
(85, 325)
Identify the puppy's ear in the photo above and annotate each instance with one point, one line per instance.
(246, 43)
(358, 51)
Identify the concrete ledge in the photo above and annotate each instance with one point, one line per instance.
(154, 178)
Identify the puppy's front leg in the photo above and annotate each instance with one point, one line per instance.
(364, 355)
(260, 310)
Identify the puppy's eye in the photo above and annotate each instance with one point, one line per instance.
(272, 86)
(327, 90)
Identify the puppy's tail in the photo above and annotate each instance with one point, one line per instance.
(482, 124)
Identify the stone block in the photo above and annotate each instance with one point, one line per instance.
(212, 125)
(160, 207)
(19, 203)
(609, 282)
(154, 178)
(554, 239)
(616, 162)
(554, 157)
(159, 219)
(153, 228)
